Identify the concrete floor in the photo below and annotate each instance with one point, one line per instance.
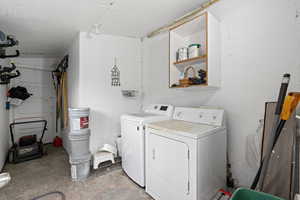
(52, 173)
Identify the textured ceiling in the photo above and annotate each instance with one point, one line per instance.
(49, 26)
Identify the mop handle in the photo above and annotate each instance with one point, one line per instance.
(282, 93)
(289, 106)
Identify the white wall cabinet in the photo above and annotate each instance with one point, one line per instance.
(183, 73)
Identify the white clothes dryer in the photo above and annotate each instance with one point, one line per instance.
(186, 156)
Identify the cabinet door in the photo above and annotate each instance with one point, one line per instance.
(213, 51)
(167, 168)
(133, 151)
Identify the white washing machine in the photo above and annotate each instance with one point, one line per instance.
(133, 138)
(186, 156)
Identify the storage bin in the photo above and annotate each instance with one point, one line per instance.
(79, 159)
(194, 50)
(79, 118)
(79, 144)
(80, 132)
(247, 194)
(80, 169)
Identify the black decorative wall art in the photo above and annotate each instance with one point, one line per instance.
(115, 76)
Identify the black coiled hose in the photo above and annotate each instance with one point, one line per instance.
(62, 195)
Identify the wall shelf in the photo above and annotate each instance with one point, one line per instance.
(196, 87)
(204, 30)
(191, 61)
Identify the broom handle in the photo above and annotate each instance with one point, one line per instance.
(276, 124)
(278, 109)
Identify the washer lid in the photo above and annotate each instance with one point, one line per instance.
(186, 129)
(143, 117)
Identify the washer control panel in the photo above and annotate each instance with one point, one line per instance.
(203, 115)
(159, 109)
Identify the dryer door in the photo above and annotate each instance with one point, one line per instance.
(133, 151)
(167, 174)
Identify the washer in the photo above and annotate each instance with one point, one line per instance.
(186, 156)
(133, 139)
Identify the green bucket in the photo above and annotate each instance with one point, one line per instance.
(247, 194)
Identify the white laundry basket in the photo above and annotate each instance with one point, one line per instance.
(79, 118)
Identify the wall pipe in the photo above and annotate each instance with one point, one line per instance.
(183, 19)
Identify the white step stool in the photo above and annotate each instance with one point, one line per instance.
(106, 153)
(4, 179)
(102, 156)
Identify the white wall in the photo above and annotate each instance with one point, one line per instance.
(73, 83)
(4, 135)
(260, 42)
(37, 81)
(97, 55)
(73, 73)
(36, 77)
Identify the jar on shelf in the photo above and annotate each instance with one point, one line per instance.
(194, 50)
(182, 54)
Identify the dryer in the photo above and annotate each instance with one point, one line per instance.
(133, 138)
(186, 156)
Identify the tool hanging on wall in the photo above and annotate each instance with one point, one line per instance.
(5, 42)
(7, 73)
(19, 92)
(59, 76)
(17, 95)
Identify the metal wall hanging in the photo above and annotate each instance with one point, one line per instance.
(115, 75)
(7, 73)
(5, 42)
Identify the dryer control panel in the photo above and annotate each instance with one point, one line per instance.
(160, 109)
(202, 115)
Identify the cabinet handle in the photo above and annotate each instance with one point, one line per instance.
(188, 188)
(153, 154)
(137, 128)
